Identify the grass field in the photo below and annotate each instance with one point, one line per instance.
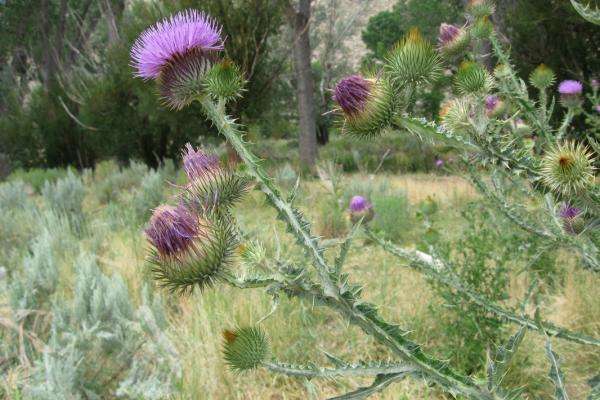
(300, 332)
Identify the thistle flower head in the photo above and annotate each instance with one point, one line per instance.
(224, 81)
(245, 348)
(570, 93)
(568, 168)
(367, 104)
(572, 218)
(458, 115)
(570, 87)
(172, 229)
(481, 8)
(482, 28)
(542, 77)
(361, 208)
(494, 106)
(473, 78)
(188, 250)
(413, 60)
(453, 39)
(211, 186)
(177, 52)
(439, 163)
(597, 108)
(595, 83)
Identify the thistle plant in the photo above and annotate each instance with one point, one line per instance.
(489, 121)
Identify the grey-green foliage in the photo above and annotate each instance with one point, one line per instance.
(150, 193)
(102, 346)
(12, 195)
(65, 198)
(32, 286)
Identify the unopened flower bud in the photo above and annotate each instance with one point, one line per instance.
(473, 78)
(453, 40)
(572, 217)
(494, 106)
(413, 60)
(480, 8)
(245, 348)
(542, 77)
(482, 28)
(224, 81)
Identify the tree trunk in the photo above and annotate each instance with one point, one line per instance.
(300, 22)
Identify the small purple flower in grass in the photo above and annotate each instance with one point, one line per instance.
(570, 93)
(352, 93)
(359, 208)
(573, 221)
(178, 52)
(439, 163)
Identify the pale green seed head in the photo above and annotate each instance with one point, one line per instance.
(568, 169)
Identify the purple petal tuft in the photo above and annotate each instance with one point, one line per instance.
(570, 87)
(352, 93)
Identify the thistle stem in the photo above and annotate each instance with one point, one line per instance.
(314, 371)
(565, 124)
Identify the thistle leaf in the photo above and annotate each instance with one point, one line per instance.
(556, 375)
(504, 354)
(587, 12)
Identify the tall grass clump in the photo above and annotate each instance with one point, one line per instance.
(65, 198)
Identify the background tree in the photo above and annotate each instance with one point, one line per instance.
(299, 20)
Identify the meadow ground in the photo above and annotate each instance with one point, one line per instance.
(300, 332)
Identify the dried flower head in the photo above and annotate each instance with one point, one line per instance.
(177, 52)
(211, 186)
(361, 208)
(367, 104)
(189, 250)
(453, 40)
(568, 168)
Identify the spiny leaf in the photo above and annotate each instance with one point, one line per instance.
(556, 374)
(504, 354)
(381, 382)
(589, 14)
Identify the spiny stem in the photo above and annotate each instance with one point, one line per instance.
(314, 371)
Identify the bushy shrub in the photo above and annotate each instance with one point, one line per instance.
(150, 194)
(65, 197)
(37, 177)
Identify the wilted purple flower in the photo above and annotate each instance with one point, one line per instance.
(439, 163)
(171, 38)
(352, 93)
(453, 39)
(448, 33)
(570, 87)
(198, 164)
(359, 208)
(172, 229)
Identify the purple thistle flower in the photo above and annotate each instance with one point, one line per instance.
(568, 213)
(490, 103)
(359, 204)
(570, 87)
(448, 33)
(174, 37)
(595, 83)
(597, 108)
(198, 164)
(172, 229)
(439, 163)
(352, 93)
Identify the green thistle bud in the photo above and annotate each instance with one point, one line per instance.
(224, 81)
(481, 8)
(501, 71)
(482, 28)
(456, 115)
(245, 348)
(568, 168)
(473, 78)
(542, 77)
(413, 60)
(367, 104)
